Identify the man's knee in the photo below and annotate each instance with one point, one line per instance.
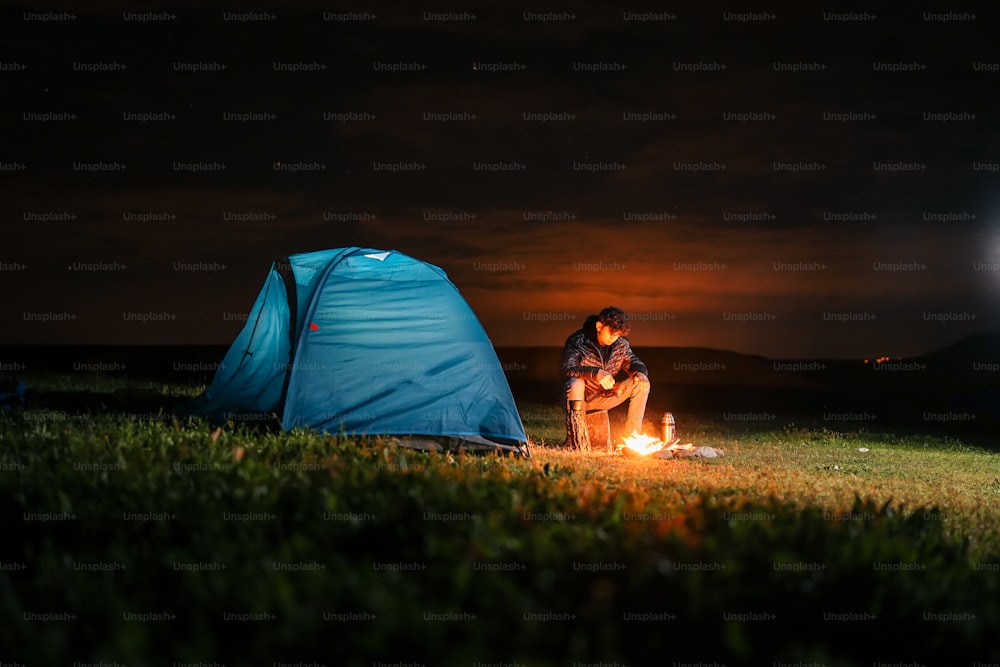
(639, 388)
(575, 389)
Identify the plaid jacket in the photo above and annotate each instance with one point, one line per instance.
(582, 358)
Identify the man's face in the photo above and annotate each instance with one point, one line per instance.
(606, 335)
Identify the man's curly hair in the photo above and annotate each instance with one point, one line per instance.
(616, 319)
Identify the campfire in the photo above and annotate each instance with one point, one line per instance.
(639, 444)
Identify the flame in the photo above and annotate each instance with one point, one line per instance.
(644, 445)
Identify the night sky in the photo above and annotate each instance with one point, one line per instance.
(795, 181)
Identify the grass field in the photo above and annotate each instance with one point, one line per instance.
(135, 539)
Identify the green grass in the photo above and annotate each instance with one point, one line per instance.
(365, 551)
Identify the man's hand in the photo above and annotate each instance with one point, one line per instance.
(606, 379)
(640, 378)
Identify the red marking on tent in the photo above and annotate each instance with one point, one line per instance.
(313, 326)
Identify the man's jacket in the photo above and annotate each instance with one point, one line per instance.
(583, 357)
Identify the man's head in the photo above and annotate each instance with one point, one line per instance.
(612, 324)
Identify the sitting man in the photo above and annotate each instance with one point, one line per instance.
(591, 359)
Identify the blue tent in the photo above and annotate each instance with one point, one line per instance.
(366, 341)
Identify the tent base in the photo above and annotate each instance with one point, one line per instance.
(474, 444)
(269, 422)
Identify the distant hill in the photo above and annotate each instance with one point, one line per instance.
(155, 361)
(970, 364)
(959, 383)
(976, 350)
(973, 362)
(674, 365)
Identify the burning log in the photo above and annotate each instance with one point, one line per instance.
(644, 445)
(638, 444)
